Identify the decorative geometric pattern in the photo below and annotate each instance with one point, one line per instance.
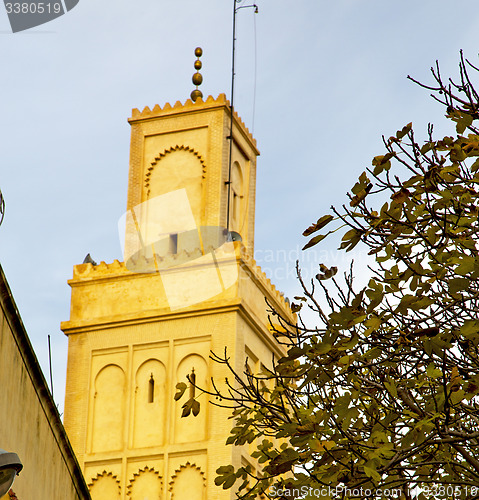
(169, 151)
(188, 478)
(105, 486)
(146, 483)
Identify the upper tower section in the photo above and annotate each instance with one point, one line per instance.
(185, 149)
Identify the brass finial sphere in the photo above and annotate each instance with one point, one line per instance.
(197, 78)
(195, 94)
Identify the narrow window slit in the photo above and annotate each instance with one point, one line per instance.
(192, 379)
(151, 389)
(173, 243)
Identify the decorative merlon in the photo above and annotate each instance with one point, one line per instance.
(189, 105)
(262, 277)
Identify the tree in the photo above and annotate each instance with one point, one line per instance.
(384, 394)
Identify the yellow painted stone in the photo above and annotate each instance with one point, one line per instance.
(31, 426)
(139, 327)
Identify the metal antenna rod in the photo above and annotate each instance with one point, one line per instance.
(230, 137)
(2, 207)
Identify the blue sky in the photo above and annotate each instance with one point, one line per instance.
(330, 80)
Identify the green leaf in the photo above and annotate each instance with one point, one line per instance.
(475, 166)
(463, 122)
(323, 348)
(466, 266)
(381, 163)
(405, 130)
(391, 387)
(195, 407)
(226, 476)
(191, 406)
(181, 388)
(373, 323)
(432, 371)
(314, 241)
(457, 396)
(224, 469)
(350, 240)
(230, 480)
(427, 147)
(422, 303)
(322, 221)
(469, 328)
(363, 181)
(283, 462)
(358, 198)
(326, 273)
(457, 285)
(401, 196)
(296, 307)
(294, 353)
(372, 473)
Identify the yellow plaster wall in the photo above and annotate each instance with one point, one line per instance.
(31, 426)
(164, 444)
(173, 342)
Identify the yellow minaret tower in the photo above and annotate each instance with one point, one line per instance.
(139, 327)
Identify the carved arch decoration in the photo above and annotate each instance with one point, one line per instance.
(146, 483)
(192, 428)
(188, 478)
(169, 151)
(149, 404)
(108, 408)
(105, 485)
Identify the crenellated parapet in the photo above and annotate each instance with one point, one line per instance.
(261, 276)
(89, 271)
(209, 103)
(161, 269)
